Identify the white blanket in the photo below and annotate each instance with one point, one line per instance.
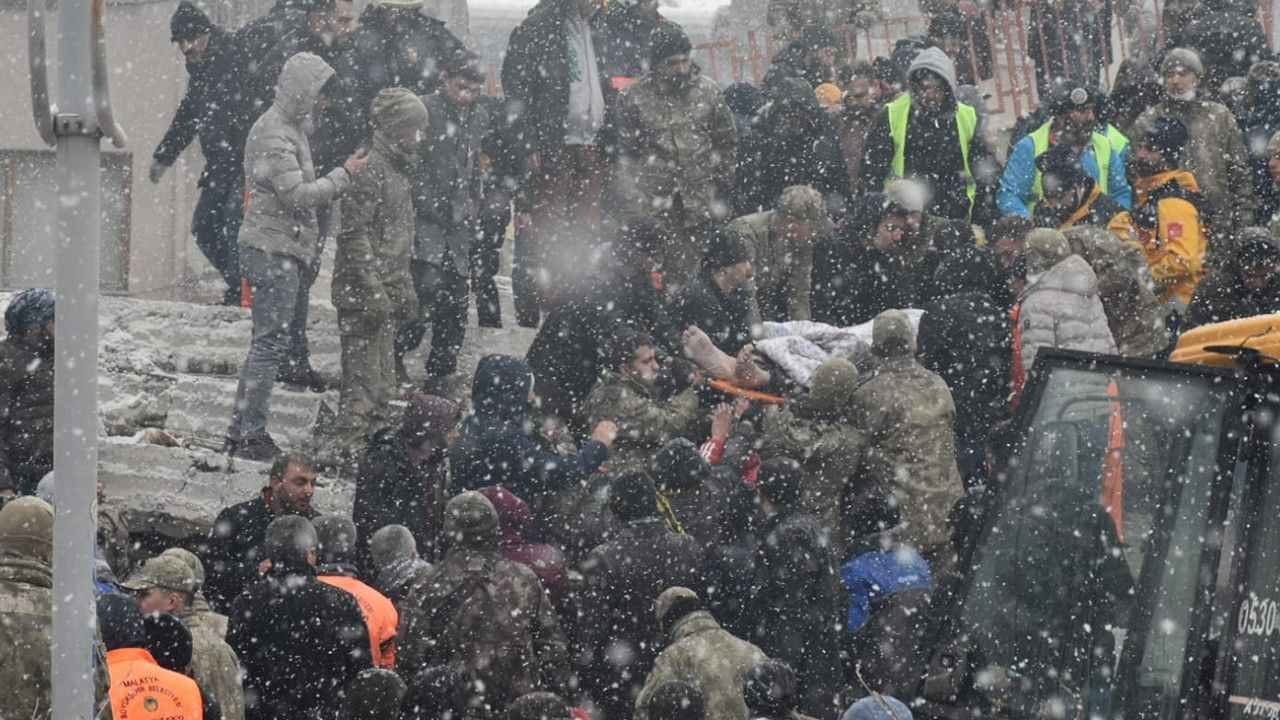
(799, 347)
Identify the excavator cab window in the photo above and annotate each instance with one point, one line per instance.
(1094, 549)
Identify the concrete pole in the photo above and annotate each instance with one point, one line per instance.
(75, 410)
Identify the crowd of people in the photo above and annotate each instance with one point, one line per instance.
(645, 516)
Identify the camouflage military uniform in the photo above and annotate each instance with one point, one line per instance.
(482, 613)
(372, 287)
(908, 414)
(679, 153)
(213, 663)
(717, 661)
(645, 423)
(1124, 283)
(26, 610)
(783, 274)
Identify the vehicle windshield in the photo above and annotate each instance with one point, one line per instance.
(1113, 483)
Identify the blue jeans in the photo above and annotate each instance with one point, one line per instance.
(275, 281)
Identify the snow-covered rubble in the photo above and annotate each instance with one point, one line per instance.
(167, 374)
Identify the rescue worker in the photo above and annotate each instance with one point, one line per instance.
(26, 608)
(781, 242)
(483, 613)
(26, 389)
(214, 109)
(448, 195)
(718, 300)
(928, 134)
(233, 552)
(1166, 217)
(372, 288)
(909, 416)
(1069, 196)
(1074, 128)
(678, 147)
(166, 585)
(698, 649)
(627, 395)
(1215, 153)
(140, 687)
(336, 566)
(394, 562)
(1136, 316)
(279, 239)
(301, 641)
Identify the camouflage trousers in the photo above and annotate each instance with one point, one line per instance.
(368, 374)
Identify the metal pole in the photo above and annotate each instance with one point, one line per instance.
(75, 409)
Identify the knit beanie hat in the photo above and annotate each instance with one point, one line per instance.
(781, 481)
(805, 204)
(169, 642)
(26, 529)
(1060, 169)
(725, 248)
(1183, 58)
(120, 622)
(679, 466)
(429, 416)
(633, 497)
(1044, 248)
(668, 39)
(30, 308)
(1166, 135)
(892, 335)
(396, 109)
(471, 521)
(188, 22)
(832, 386)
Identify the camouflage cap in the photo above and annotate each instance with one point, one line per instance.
(166, 572)
(192, 561)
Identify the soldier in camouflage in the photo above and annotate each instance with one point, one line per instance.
(26, 609)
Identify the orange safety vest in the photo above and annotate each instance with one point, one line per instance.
(380, 617)
(142, 690)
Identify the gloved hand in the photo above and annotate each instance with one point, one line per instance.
(157, 171)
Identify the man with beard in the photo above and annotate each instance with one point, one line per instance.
(678, 149)
(26, 390)
(1070, 197)
(1165, 220)
(214, 110)
(1216, 154)
(233, 553)
(929, 134)
(1073, 126)
(861, 100)
(627, 395)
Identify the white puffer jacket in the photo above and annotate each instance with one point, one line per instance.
(1062, 309)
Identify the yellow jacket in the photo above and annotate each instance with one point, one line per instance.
(1175, 247)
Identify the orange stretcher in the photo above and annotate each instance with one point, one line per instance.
(729, 388)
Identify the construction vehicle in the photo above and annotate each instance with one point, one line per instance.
(1128, 562)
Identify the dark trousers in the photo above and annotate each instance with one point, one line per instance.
(443, 296)
(299, 356)
(485, 256)
(216, 226)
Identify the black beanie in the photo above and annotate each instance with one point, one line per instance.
(188, 22)
(666, 40)
(1167, 136)
(679, 466)
(169, 642)
(120, 622)
(633, 497)
(1063, 165)
(781, 481)
(724, 248)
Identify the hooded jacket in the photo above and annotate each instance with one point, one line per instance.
(283, 194)
(698, 649)
(496, 447)
(448, 184)
(26, 609)
(26, 410)
(546, 561)
(371, 270)
(290, 620)
(1062, 309)
(676, 143)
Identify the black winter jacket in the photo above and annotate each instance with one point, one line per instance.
(726, 319)
(233, 550)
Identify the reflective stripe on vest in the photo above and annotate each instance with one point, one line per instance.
(142, 690)
(966, 127)
(1101, 155)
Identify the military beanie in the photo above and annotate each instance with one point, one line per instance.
(396, 109)
(1183, 58)
(892, 335)
(26, 529)
(668, 40)
(470, 521)
(832, 386)
(1044, 248)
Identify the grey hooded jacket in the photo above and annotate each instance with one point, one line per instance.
(283, 191)
(1063, 309)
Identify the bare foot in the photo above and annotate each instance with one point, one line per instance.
(699, 348)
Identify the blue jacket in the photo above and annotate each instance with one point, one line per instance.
(880, 574)
(1019, 176)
